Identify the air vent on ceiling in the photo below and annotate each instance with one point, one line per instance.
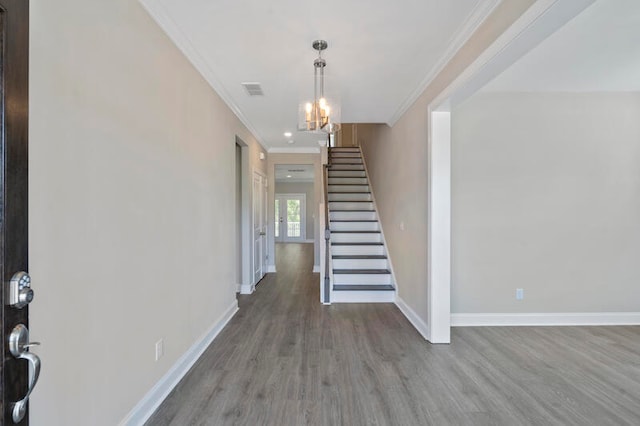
(253, 89)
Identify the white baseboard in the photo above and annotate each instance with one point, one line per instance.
(247, 288)
(271, 269)
(238, 288)
(414, 319)
(145, 408)
(310, 240)
(546, 319)
(316, 268)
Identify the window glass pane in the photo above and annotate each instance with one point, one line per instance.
(293, 218)
(277, 228)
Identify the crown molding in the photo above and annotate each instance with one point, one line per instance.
(301, 150)
(480, 12)
(160, 15)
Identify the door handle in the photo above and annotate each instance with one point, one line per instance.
(263, 233)
(19, 347)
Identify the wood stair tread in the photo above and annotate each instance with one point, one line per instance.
(358, 244)
(363, 287)
(355, 232)
(349, 210)
(353, 220)
(349, 192)
(362, 271)
(360, 256)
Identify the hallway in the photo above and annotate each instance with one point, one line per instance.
(285, 359)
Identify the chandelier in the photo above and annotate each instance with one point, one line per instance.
(317, 114)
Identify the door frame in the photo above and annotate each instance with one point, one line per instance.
(14, 165)
(303, 218)
(262, 200)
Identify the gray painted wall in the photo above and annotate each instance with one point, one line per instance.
(131, 207)
(546, 197)
(398, 165)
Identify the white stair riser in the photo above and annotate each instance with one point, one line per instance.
(347, 173)
(348, 180)
(346, 160)
(358, 196)
(363, 297)
(357, 250)
(355, 226)
(348, 188)
(346, 167)
(356, 238)
(348, 205)
(352, 216)
(360, 264)
(364, 279)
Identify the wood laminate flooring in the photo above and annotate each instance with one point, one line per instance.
(285, 359)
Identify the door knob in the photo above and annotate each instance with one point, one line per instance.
(19, 347)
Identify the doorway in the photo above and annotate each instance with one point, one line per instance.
(290, 218)
(259, 226)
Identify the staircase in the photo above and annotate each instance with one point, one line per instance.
(361, 272)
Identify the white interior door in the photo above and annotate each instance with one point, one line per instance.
(259, 227)
(290, 224)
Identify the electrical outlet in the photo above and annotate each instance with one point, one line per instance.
(519, 293)
(159, 349)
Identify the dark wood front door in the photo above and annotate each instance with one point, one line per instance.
(14, 109)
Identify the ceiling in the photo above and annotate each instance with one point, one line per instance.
(294, 173)
(597, 51)
(380, 57)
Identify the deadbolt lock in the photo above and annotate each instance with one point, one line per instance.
(20, 292)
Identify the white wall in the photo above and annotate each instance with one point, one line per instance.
(546, 197)
(132, 207)
(397, 163)
(308, 189)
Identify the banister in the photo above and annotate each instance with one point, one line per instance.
(327, 230)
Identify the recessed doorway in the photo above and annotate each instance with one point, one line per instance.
(294, 194)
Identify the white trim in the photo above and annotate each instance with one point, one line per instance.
(271, 269)
(480, 12)
(238, 288)
(415, 320)
(540, 20)
(299, 150)
(185, 45)
(309, 241)
(148, 404)
(247, 288)
(546, 319)
(439, 226)
(316, 269)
